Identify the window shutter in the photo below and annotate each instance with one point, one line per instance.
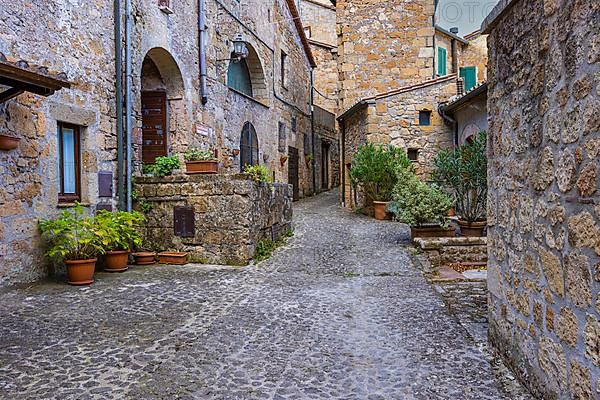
(441, 61)
(469, 74)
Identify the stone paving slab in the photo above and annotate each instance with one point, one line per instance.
(339, 313)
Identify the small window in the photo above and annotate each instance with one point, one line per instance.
(442, 59)
(307, 32)
(413, 155)
(69, 163)
(238, 77)
(283, 68)
(424, 117)
(248, 146)
(294, 125)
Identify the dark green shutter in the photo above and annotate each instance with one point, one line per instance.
(442, 61)
(469, 74)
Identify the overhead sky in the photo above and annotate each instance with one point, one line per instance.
(467, 15)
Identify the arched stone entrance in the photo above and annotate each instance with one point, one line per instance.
(162, 103)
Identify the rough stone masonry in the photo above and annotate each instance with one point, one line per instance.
(544, 207)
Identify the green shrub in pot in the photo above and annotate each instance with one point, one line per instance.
(120, 232)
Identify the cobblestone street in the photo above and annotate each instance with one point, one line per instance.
(338, 313)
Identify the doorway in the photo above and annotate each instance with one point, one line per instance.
(324, 166)
(154, 126)
(293, 177)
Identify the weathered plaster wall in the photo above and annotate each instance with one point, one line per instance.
(472, 118)
(383, 45)
(544, 217)
(231, 214)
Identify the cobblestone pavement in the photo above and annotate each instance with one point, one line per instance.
(339, 313)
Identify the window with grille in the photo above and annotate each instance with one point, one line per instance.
(248, 146)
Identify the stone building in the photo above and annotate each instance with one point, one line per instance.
(396, 67)
(544, 213)
(250, 110)
(318, 17)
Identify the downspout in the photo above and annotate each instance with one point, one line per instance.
(446, 117)
(202, 49)
(119, 104)
(343, 157)
(312, 128)
(128, 102)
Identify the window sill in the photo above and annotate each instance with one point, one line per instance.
(248, 97)
(166, 10)
(71, 205)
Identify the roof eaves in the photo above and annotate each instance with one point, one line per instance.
(465, 98)
(450, 34)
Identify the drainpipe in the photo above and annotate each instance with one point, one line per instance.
(202, 49)
(343, 158)
(452, 121)
(312, 128)
(119, 103)
(128, 101)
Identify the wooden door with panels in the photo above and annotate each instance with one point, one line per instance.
(154, 126)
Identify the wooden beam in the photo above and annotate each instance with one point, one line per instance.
(9, 94)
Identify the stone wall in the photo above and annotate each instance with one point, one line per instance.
(446, 251)
(231, 213)
(475, 54)
(58, 35)
(383, 45)
(544, 217)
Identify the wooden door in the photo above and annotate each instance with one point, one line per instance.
(154, 126)
(324, 166)
(293, 177)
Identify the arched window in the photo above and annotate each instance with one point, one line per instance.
(248, 146)
(238, 77)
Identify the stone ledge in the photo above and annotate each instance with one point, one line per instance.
(490, 22)
(437, 243)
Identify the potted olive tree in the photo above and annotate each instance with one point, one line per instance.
(120, 231)
(373, 170)
(424, 207)
(200, 162)
(463, 172)
(74, 238)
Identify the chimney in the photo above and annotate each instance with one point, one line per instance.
(460, 86)
(454, 30)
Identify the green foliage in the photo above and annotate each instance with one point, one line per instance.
(416, 203)
(374, 169)
(145, 206)
(463, 172)
(259, 173)
(164, 166)
(119, 230)
(148, 169)
(264, 250)
(72, 236)
(196, 154)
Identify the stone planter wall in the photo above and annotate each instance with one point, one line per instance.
(445, 251)
(544, 204)
(230, 213)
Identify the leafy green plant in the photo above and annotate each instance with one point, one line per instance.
(164, 166)
(73, 235)
(463, 172)
(145, 206)
(416, 203)
(196, 154)
(264, 250)
(374, 170)
(148, 169)
(119, 230)
(259, 173)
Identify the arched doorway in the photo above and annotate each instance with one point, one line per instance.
(248, 146)
(161, 84)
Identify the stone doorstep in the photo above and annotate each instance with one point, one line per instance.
(437, 243)
(447, 274)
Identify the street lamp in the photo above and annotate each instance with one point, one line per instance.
(240, 49)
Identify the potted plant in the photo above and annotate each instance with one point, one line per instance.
(309, 159)
(164, 166)
(172, 257)
(8, 142)
(120, 231)
(463, 171)
(74, 238)
(259, 173)
(200, 162)
(374, 170)
(144, 258)
(283, 160)
(424, 207)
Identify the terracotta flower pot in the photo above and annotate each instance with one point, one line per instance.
(472, 229)
(116, 261)
(202, 167)
(432, 231)
(380, 213)
(174, 258)
(8, 142)
(452, 212)
(144, 258)
(81, 272)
